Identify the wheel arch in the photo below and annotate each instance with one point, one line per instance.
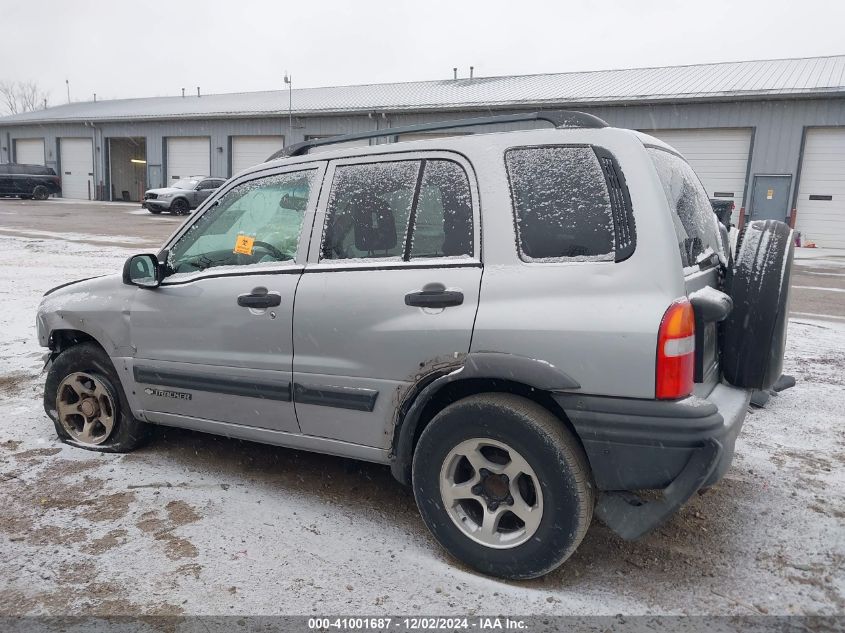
(482, 373)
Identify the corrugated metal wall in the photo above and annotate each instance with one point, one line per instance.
(779, 128)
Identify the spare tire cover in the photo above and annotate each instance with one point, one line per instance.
(753, 337)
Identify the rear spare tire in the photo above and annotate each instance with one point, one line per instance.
(754, 334)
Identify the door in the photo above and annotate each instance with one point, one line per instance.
(389, 293)
(770, 198)
(821, 188)
(253, 150)
(77, 160)
(29, 151)
(214, 340)
(718, 156)
(204, 190)
(188, 156)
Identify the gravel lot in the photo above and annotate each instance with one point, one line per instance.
(196, 524)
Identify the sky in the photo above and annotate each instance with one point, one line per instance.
(141, 48)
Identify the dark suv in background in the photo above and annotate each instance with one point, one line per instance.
(28, 181)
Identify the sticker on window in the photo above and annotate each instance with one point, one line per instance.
(244, 245)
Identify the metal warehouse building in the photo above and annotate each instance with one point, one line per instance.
(769, 135)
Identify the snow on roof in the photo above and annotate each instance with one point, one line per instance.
(817, 76)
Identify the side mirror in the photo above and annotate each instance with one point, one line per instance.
(143, 271)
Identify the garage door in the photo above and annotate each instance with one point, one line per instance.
(821, 188)
(718, 156)
(77, 168)
(188, 156)
(29, 151)
(252, 150)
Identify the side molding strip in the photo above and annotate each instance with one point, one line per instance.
(217, 384)
(339, 397)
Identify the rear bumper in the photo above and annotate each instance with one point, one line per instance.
(637, 444)
(676, 446)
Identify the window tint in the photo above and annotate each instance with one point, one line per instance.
(692, 213)
(371, 206)
(562, 206)
(368, 210)
(258, 222)
(443, 217)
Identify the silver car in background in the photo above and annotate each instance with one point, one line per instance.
(182, 196)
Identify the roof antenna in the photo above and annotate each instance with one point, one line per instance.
(471, 68)
(183, 92)
(95, 97)
(198, 91)
(455, 72)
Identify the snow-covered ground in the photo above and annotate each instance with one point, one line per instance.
(196, 524)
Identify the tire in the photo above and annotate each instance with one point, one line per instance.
(753, 337)
(40, 193)
(179, 206)
(89, 361)
(560, 481)
(154, 210)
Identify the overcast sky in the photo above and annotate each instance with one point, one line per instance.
(150, 47)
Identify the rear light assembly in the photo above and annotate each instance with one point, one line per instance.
(676, 352)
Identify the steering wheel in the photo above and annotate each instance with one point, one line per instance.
(272, 250)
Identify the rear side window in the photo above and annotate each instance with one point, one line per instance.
(399, 210)
(692, 213)
(568, 205)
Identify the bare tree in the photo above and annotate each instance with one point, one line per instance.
(21, 96)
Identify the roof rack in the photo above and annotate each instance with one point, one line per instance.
(558, 118)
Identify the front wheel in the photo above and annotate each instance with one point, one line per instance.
(503, 485)
(40, 193)
(84, 398)
(179, 206)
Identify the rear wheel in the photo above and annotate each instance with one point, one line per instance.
(503, 486)
(179, 206)
(83, 397)
(40, 193)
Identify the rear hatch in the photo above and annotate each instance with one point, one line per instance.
(701, 249)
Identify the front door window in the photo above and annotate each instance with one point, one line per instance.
(256, 223)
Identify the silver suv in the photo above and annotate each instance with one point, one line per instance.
(181, 196)
(525, 326)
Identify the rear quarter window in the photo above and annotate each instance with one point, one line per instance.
(691, 210)
(562, 205)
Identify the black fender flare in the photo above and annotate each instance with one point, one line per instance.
(512, 368)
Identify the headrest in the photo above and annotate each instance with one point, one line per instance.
(375, 226)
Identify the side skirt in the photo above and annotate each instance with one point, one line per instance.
(269, 436)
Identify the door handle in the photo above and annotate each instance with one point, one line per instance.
(434, 296)
(260, 298)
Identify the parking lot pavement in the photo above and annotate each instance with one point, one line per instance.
(91, 222)
(818, 284)
(197, 524)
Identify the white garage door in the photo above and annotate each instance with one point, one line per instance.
(77, 168)
(29, 151)
(252, 150)
(821, 190)
(188, 156)
(718, 156)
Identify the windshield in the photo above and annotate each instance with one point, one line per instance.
(186, 183)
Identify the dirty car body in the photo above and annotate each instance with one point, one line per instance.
(427, 276)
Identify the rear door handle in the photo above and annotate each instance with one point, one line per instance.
(434, 296)
(260, 298)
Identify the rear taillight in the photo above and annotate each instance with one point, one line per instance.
(676, 352)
